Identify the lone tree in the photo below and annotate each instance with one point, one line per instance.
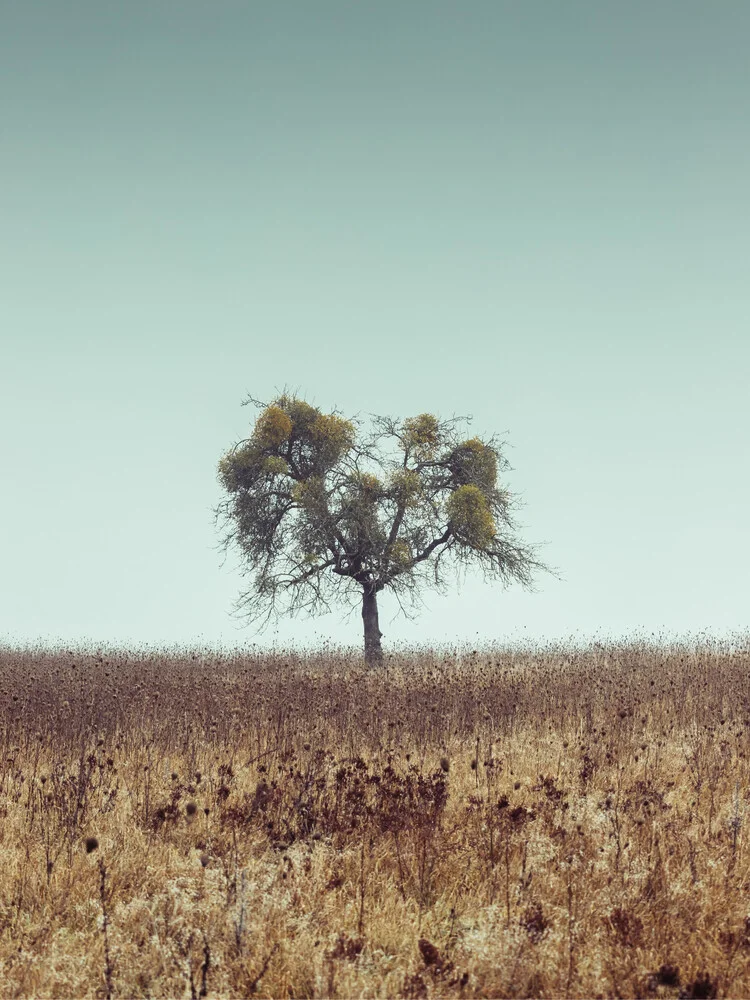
(322, 511)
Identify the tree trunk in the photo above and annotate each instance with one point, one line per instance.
(373, 649)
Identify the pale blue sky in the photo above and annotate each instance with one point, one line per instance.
(535, 213)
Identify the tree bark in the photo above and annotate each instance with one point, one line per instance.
(373, 649)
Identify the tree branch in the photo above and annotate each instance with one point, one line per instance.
(432, 546)
(307, 575)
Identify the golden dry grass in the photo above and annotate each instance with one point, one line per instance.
(545, 822)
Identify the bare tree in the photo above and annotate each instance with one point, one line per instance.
(323, 511)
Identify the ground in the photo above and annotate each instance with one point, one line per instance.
(536, 822)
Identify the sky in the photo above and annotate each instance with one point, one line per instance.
(534, 214)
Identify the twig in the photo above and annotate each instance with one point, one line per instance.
(105, 927)
(253, 987)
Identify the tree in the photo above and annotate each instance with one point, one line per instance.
(322, 511)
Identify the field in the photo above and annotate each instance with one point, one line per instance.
(534, 822)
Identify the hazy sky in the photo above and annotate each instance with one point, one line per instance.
(534, 213)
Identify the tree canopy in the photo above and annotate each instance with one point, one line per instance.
(323, 510)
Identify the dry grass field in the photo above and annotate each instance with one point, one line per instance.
(530, 823)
